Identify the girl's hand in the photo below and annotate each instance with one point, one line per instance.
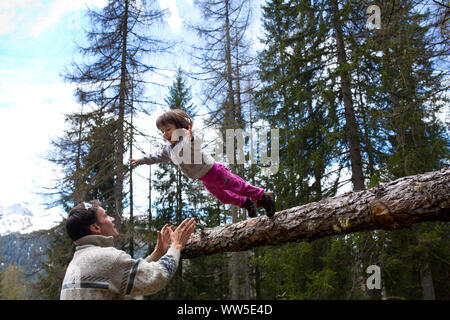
(188, 133)
(134, 162)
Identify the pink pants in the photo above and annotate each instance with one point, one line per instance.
(229, 188)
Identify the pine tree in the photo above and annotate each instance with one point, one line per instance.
(177, 192)
(67, 152)
(352, 134)
(59, 254)
(12, 283)
(224, 65)
(171, 183)
(403, 111)
(295, 97)
(402, 92)
(114, 72)
(373, 75)
(110, 83)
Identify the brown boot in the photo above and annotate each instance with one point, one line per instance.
(268, 203)
(251, 210)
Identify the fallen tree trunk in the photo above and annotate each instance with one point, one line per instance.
(393, 205)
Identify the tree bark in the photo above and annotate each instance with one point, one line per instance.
(131, 252)
(426, 281)
(118, 188)
(393, 205)
(351, 126)
(79, 195)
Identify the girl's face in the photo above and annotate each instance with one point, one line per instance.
(167, 131)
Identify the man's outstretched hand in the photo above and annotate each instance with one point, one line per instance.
(162, 243)
(182, 233)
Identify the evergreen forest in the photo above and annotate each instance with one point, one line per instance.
(355, 104)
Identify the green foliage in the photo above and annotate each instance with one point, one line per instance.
(398, 91)
(323, 269)
(407, 251)
(59, 253)
(283, 270)
(12, 283)
(292, 99)
(203, 278)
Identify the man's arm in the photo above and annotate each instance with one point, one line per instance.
(148, 277)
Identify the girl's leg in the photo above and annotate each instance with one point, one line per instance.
(231, 187)
(237, 185)
(224, 196)
(228, 187)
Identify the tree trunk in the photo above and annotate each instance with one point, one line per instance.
(118, 188)
(229, 68)
(131, 250)
(393, 205)
(426, 280)
(79, 194)
(178, 219)
(230, 123)
(351, 127)
(150, 217)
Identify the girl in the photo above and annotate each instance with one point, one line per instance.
(227, 187)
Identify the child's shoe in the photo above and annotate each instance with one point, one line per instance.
(251, 209)
(268, 203)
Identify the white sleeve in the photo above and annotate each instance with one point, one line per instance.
(148, 277)
(161, 155)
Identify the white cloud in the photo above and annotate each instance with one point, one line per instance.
(174, 20)
(16, 4)
(7, 21)
(51, 17)
(58, 9)
(37, 16)
(26, 127)
(9, 16)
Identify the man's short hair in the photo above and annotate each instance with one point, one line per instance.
(80, 218)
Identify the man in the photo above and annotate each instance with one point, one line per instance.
(100, 271)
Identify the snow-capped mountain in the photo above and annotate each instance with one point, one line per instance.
(23, 218)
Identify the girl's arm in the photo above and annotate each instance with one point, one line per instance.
(133, 162)
(156, 157)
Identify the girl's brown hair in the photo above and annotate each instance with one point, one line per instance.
(177, 117)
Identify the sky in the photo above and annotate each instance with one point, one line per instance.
(38, 40)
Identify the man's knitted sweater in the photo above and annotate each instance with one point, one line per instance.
(100, 271)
